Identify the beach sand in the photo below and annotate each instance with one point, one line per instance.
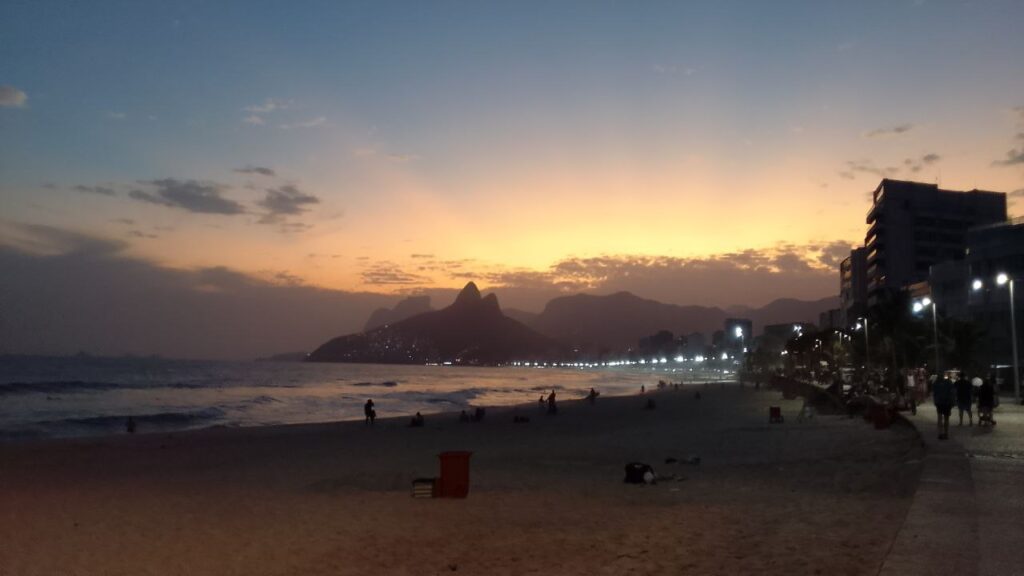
(820, 497)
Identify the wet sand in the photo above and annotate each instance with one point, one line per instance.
(825, 496)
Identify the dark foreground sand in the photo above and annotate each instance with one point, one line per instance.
(819, 497)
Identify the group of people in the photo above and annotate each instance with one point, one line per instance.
(962, 393)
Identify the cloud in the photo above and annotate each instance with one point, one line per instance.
(249, 169)
(66, 294)
(866, 167)
(1014, 156)
(916, 164)
(311, 123)
(141, 234)
(889, 132)
(752, 277)
(283, 201)
(372, 152)
(1018, 193)
(116, 115)
(11, 97)
(101, 190)
(269, 105)
(42, 240)
(421, 256)
(189, 195)
(254, 120)
(389, 274)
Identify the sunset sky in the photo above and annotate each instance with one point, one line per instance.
(676, 149)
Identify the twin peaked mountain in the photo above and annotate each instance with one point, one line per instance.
(472, 330)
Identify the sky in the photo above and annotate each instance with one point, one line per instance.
(712, 153)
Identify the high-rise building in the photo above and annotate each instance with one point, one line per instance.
(853, 287)
(914, 225)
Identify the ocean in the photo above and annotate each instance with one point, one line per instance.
(85, 396)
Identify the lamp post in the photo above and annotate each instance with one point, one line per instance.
(862, 322)
(921, 305)
(1001, 279)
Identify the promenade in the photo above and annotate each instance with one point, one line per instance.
(967, 517)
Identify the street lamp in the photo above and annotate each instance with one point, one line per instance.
(862, 322)
(920, 305)
(1001, 279)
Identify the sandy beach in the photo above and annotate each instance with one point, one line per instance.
(826, 496)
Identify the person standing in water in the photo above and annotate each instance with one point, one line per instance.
(370, 413)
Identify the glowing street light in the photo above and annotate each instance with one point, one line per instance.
(921, 305)
(977, 284)
(1001, 279)
(862, 322)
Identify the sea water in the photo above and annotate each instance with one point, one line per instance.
(84, 396)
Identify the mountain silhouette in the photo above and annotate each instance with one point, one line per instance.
(406, 308)
(617, 321)
(472, 330)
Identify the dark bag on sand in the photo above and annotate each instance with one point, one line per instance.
(636, 472)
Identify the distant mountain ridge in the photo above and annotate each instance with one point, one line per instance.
(472, 330)
(617, 321)
(406, 308)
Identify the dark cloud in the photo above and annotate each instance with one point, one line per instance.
(1018, 193)
(141, 234)
(388, 273)
(259, 170)
(70, 292)
(750, 277)
(11, 97)
(101, 190)
(916, 164)
(189, 195)
(853, 167)
(889, 132)
(1014, 156)
(285, 201)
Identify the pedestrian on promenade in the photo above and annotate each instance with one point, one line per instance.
(964, 399)
(943, 395)
(986, 401)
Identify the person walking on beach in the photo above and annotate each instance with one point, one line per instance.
(370, 413)
(552, 407)
(964, 399)
(943, 395)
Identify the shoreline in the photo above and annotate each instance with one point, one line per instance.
(141, 431)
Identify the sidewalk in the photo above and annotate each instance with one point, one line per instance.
(968, 512)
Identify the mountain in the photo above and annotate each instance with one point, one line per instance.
(472, 330)
(407, 308)
(786, 310)
(592, 323)
(523, 316)
(617, 321)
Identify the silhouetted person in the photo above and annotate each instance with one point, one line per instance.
(552, 407)
(129, 426)
(944, 396)
(964, 399)
(417, 421)
(464, 417)
(479, 413)
(370, 413)
(643, 389)
(592, 396)
(986, 401)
